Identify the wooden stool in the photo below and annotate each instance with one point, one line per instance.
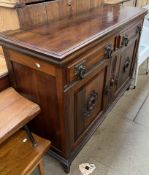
(15, 112)
(19, 157)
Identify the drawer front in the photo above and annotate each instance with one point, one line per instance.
(86, 61)
(32, 62)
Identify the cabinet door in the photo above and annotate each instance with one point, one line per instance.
(127, 60)
(86, 101)
(122, 67)
(123, 61)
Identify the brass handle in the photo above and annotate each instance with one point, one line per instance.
(125, 40)
(108, 51)
(126, 64)
(91, 103)
(139, 29)
(80, 71)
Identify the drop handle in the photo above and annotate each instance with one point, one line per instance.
(125, 40)
(108, 51)
(126, 64)
(139, 29)
(92, 99)
(80, 71)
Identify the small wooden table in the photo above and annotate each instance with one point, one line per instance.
(19, 157)
(15, 112)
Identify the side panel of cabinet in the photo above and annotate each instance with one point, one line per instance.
(41, 88)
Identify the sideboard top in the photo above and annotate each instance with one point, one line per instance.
(62, 38)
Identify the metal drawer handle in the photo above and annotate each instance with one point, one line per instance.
(91, 103)
(126, 64)
(139, 29)
(80, 71)
(108, 51)
(125, 40)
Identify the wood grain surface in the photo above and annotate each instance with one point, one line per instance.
(8, 19)
(95, 53)
(18, 157)
(66, 36)
(15, 112)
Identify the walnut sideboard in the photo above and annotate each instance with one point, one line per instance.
(76, 69)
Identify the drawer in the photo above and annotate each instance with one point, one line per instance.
(90, 58)
(32, 62)
(130, 32)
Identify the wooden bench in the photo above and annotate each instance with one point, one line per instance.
(19, 157)
(15, 112)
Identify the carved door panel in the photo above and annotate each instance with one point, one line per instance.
(122, 67)
(86, 101)
(127, 59)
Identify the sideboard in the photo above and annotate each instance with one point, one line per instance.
(76, 69)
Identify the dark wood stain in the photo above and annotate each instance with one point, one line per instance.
(75, 68)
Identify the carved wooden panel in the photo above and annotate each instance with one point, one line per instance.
(88, 102)
(32, 15)
(45, 12)
(127, 57)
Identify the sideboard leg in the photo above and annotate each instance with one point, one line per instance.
(128, 88)
(66, 168)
